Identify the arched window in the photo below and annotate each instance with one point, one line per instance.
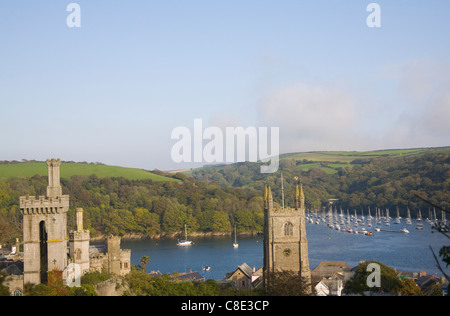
(288, 229)
(17, 292)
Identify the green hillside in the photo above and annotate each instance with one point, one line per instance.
(383, 179)
(348, 156)
(29, 169)
(330, 161)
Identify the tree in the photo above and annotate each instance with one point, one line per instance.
(220, 222)
(144, 261)
(286, 283)
(358, 284)
(147, 222)
(244, 221)
(83, 290)
(409, 287)
(4, 291)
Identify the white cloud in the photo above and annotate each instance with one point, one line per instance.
(408, 107)
(313, 117)
(424, 88)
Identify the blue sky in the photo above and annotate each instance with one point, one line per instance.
(114, 89)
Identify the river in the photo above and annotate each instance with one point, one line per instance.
(403, 251)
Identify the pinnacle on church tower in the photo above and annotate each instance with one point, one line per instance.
(301, 197)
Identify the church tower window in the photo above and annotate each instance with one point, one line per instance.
(288, 229)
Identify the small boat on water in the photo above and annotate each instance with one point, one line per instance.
(235, 244)
(206, 268)
(185, 242)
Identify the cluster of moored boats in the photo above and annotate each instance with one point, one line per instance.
(352, 223)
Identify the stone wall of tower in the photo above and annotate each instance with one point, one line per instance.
(285, 243)
(113, 251)
(51, 214)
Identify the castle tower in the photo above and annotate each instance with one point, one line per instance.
(79, 244)
(113, 248)
(45, 229)
(285, 243)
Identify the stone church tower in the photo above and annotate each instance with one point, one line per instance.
(45, 229)
(285, 243)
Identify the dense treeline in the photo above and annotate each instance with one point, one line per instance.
(217, 198)
(121, 207)
(383, 182)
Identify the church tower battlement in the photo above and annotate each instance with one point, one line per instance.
(285, 243)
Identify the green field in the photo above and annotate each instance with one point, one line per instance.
(330, 161)
(349, 156)
(29, 169)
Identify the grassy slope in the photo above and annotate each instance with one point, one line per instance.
(25, 170)
(336, 159)
(330, 161)
(348, 156)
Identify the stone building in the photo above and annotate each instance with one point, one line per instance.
(244, 277)
(48, 246)
(285, 243)
(329, 278)
(79, 241)
(45, 229)
(111, 259)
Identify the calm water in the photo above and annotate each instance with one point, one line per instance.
(409, 252)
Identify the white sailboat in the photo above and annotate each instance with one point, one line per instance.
(184, 242)
(419, 221)
(235, 244)
(408, 219)
(398, 218)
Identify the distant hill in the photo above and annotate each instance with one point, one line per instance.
(29, 169)
(382, 178)
(331, 161)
